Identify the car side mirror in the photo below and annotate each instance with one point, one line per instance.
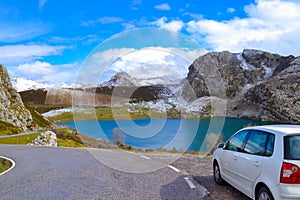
(221, 145)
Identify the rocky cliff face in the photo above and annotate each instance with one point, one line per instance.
(12, 109)
(255, 84)
(276, 99)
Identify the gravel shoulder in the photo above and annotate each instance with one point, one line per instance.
(200, 168)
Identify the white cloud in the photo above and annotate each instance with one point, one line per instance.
(97, 64)
(174, 25)
(271, 25)
(29, 50)
(164, 6)
(17, 32)
(230, 10)
(36, 69)
(86, 39)
(42, 4)
(151, 63)
(46, 72)
(60, 77)
(128, 25)
(17, 54)
(102, 20)
(146, 62)
(134, 4)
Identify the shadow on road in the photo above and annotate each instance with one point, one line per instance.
(175, 190)
(225, 191)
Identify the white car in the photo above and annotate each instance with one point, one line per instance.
(263, 162)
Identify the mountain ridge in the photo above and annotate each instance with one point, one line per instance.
(251, 84)
(256, 84)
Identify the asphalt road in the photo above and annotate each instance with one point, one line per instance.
(66, 173)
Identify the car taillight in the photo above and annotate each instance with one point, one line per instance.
(290, 173)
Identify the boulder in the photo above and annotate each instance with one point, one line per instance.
(47, 138)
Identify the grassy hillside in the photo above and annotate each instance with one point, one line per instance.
(22, 139)
(38, 119)
(66, 137)
(8, 129)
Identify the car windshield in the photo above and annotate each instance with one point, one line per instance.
(292, 147)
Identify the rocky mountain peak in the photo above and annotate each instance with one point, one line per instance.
(257, 84)
(261, 59)
(121, 79)
(12, 109)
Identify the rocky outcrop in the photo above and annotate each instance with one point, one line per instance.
(12, 109)
(255, 84)
(121, 79)
(47, 138)
(277, 99)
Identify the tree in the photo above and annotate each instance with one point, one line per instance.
(118, 136)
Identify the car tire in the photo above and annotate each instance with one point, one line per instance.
(217, 174)
(264, 194)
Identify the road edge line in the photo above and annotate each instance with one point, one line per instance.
(189, 182)
(174, 168)
(13, 164)
(145, 157)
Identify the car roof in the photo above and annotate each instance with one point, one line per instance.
(282, 129)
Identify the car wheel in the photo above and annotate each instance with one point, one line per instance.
(217, 174)
(264, 194)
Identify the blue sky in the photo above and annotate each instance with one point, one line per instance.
(47, 40)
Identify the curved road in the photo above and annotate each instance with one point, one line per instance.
(69, 173)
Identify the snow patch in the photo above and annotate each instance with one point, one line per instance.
(161, 105)
(57, 112)
(244, 64)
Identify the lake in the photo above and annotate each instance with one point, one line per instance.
(180, 134)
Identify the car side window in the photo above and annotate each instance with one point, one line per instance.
(237, 141)
(270, 145)
(260, 143)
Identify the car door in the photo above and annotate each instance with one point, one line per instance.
(230, 155)
(250, 161)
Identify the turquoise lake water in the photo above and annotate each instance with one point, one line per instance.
(181, 134)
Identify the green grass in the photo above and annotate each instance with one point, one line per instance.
(8, 129)
(38, 118)
(108, 113)
(23, 139)
(66, 137)
(120, 113)
(4, 165)
(68, 143)
(64, 117)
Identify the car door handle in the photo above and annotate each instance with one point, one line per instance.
(256, 163)
(234, 157)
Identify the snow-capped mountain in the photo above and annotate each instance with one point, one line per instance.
(124, 79)
(22, 84)
(121, 79)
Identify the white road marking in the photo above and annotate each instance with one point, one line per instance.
(13, 164)
(189, 182)
(145, 157)
(174, 168)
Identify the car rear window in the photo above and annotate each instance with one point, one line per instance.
(292, 147)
